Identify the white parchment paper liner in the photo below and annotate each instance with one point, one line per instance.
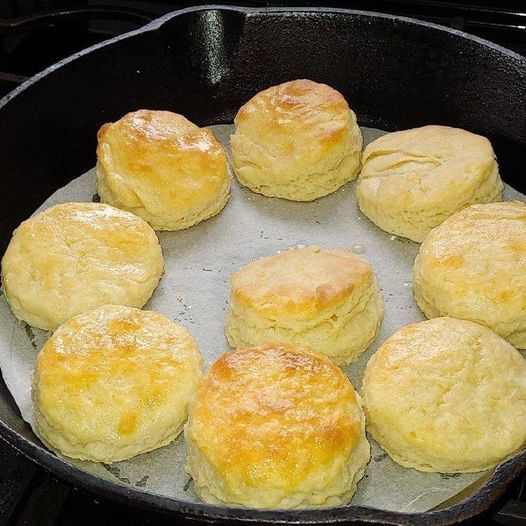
(194, 291)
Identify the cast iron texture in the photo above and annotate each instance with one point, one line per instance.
(395, 72)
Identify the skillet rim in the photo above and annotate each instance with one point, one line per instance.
(477, 503)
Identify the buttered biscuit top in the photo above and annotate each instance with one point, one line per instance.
(412, 180)
(298, 140)
(473, 267)
(114, 382)
(324, 299)
(162, 167)
(446, 395)
(299, 283)
(276, 426)
(74, 256)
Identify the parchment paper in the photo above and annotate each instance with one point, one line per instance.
(194, 291)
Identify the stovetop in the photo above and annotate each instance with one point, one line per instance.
(37, 33)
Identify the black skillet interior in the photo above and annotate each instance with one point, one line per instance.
(396, 73)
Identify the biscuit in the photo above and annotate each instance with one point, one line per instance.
(473, 267)
(298, 140)
(412, 180)
(114, 382)
(276, 427)
(75, 256)
(162, 167)
(326, 300)
(446, 395)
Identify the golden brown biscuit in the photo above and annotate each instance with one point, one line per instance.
(473, 267)
(114, 382)
(298, 140)
(276, 427)
(446, 395)
(412, 180)
(162, 167)
(75, 256)
(326, 300)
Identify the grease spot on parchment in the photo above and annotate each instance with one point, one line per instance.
(31, 335)
(142, 482)
(116, 472)
(187, 485)
(380, 457)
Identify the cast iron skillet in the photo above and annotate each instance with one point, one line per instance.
(395, 72)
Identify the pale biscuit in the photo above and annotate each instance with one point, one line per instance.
(326, 300)
(446, 395)
(473, 267)
(114, 382)
(412, 180)
(276, 427)
(298, 140)
(162, 167)
(75, 256)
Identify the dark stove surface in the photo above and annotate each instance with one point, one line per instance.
(37, 33)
